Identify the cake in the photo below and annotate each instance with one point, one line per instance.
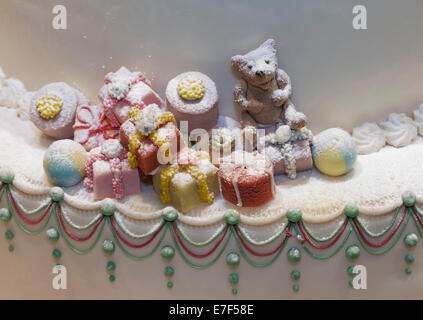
(192, 97)
(270, 224)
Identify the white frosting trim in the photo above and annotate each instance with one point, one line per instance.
(368, 138)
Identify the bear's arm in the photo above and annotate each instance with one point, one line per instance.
(281, 95)
(240, 91)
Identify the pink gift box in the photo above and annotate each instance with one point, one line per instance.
(140, 94)
(103, 180)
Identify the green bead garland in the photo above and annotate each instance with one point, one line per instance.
(7, 176)
(408, 271)
(294, 215)
(350, 283)
(233, 259)
(108, 247)
(169, 271)
(352, 252)
(296, 287)
(108, 207)
(5, 215)
(112, 278)
(295, 274)
(409, 258)
(11, 248)
(294, 255)
(170, 284)
(169, 214)
(167, 252)
(57, 254)
(57, 194)
(233, 278)
(232, 217)
(234, 291)
(52, 234)
(411, 239)
(9, 235)
(408, 198)
(110, 266)
(351, 211)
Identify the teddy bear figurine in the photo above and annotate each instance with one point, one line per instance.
(263, 92)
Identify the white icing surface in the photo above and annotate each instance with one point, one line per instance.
(373, 188)
(368, 138)
(399, 130)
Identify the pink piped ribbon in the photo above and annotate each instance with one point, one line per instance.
(115, 167)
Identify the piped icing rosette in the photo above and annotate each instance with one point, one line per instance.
(124, 89)
(53, 109)
(399, 130)
(92, 128)
(13, 95)
(418, 119)
(246, 179)
(192, 96)
(368, 138)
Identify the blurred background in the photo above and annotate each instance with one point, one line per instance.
(341, 76)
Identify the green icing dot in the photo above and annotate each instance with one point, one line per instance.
(110, 266)
(411, 239)
(294, 255)
(409, 258)
(169, 214)
(351, 210)
(234, 291)
(167, 252)
(352, 252)
(350, 270)
(9, 235)
(232, 217)
(112, 278)
(56, 194)
(108, 246)
(169, 271)
(350, 283)
(7, 176)
(170, 284)
(408, 198)
(295, 274)
(233, 278)
(408, 271)
(296, 287)
(294, 215)
(233, 259)
(107, 207)
(57, 254)
(5, 215)
(11, 248)
(52, 234)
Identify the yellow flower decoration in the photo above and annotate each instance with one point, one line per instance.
(49, 105)
(191, 88)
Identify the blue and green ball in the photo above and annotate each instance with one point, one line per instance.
(334, 152)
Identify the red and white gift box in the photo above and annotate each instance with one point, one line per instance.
(92, 128)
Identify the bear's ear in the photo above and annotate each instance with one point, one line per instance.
(270, 45)
(237, 61)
